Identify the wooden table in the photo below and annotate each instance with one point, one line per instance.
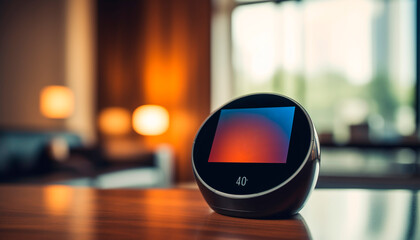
(60, 212)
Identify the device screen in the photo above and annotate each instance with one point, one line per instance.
(253, 135)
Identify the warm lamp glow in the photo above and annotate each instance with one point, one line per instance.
(56, 102)
(150, 120)
(114, 121)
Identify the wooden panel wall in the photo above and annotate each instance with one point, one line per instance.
(157, 52)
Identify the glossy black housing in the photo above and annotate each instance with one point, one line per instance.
(275, 189)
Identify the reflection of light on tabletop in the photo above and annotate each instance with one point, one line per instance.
(114, 121)
(150, 120)
(81, 214)
(56, 102)
(57, 199)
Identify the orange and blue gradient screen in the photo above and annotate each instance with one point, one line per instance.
(253, 135)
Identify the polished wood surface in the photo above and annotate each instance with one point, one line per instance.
(61, 212)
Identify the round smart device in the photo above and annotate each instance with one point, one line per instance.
(257, 156)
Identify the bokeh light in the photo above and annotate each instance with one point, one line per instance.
(56, 102)
(114, 121)
(150, 120)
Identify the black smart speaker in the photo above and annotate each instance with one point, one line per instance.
(256, 157)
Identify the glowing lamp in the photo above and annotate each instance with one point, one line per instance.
(56, 102)
(114, 121)
(150, 120)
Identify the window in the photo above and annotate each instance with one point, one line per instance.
(351, 63)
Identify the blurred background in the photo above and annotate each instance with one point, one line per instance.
(110, 93)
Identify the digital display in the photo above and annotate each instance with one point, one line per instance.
(253, 135)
